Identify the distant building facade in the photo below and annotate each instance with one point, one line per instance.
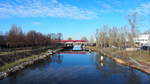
(142, 40)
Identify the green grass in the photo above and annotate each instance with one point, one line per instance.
(7, 66)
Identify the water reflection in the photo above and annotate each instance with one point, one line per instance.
(77, 68)
(57, 58)
(121, 74)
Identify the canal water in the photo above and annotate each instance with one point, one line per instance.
(77, 67)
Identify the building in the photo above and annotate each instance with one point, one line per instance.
(142, 40)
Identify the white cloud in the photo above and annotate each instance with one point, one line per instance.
(106, 6)
(111, 7)
(143, 9)
(43, 8)
(55, 1)
(36, 23)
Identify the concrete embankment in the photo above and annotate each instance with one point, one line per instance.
(127, 62)
(26, 63)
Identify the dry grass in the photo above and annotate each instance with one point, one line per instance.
(141, 56)
(13, 52)
(111, 49)
(91, 47)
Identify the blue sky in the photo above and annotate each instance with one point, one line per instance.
(73, 18)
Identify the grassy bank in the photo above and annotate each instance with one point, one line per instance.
(91, 47)
(136, 59)
(20, 64)
(10, 65)
(140, 55)
(13, 52)
(30, 56)
(20, 50)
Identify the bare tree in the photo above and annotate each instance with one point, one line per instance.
(59, 36)
(69, 38)
(97, 35)
(132, 20)
(30, 38)
(1, 40)
(111, 37)
(91, 39)
(84, 38)
(15, 36)
(147, 32)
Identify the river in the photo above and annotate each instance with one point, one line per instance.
(77, 67)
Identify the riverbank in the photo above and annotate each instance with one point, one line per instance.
(20, 64)
(126, 60)
(92, 48)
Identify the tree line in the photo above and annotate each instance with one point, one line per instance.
(119, 37)
(16, 38)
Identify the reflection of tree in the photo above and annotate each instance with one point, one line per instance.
(41, 63)
(133, 78)
(148, 79)
(57, 58)
(111, 69)
(99, 62)
(92, 56)
(100, 65)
